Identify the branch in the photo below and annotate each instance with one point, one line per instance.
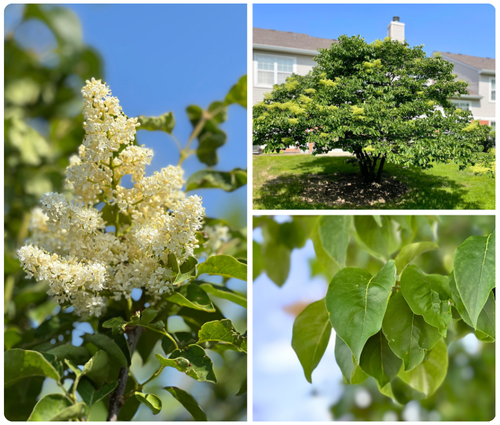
(116, 398)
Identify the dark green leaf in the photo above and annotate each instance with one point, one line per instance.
(276, 259)
(79, 355)
(238, 93)
(356, 302)
(192, 296)
(74, 411)
(222, 331)
(90, 395)
(410, 252)
(97, 368)
(49, 407)
(188, 402)
(107, 344)
(311, 333)
(380, 242)
(209, 142)
(224, 293)
(117, 324)
(351, 371)
(20, 398)
(258, 259)
(378, 360)
(243, 389)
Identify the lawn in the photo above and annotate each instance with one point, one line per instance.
(279, 183)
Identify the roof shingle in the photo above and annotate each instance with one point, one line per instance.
(290, 39)
(474, 61)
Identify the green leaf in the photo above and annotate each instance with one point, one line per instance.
(378, 360)
(193, 361)
(49, 407)
(196, 318)
(228, 181)
(188, 402)
(243, 389)
(223, 265)
(380, 242)
(427, 295)
(276, 258)
(97, 368)
(475, 273)
(165, 122)
(258, 259)
(486, 320)
(429, 375)
(351, 371)
(79, 355)
(222, 331)
(192, 296)
(209, 142)
(150, 400)
(224, 293)
(238, 93)
(330, 237)
(90, 395)
(21, 398)
(311, 333)
(410, 252)
(185, 271)
(183, 339)
(117, 324)
(74, 411)
(20, 364)
(408, 334)
(107, 344)
(356, 302)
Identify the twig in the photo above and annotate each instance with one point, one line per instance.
(116, 398)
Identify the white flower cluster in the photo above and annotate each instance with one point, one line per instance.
(217, 236)
(72, 247)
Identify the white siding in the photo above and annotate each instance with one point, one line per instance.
(487, 108)
(467, 74)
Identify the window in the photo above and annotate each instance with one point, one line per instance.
(492, 90)
(492, 125)
(463, 105)
(273, 69)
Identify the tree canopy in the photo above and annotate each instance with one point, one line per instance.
(383, 102)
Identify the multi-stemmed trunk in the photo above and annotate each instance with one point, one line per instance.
(371, 167)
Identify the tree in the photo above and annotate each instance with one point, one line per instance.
(383, 102)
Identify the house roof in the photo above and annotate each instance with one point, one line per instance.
(290, 39)
(474, 61)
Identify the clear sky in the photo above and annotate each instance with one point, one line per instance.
(160, 58)
(456, 28)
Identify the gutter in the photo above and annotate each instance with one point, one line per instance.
(487, 71)
(305, 52)
(468, 96)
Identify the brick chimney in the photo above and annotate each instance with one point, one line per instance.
(396, 30)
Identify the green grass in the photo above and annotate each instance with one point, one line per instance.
(278, 183)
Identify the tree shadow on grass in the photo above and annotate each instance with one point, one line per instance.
(421, 190)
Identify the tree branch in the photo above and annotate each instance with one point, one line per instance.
(116, 398)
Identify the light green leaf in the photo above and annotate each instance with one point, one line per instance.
(79, 355)
(410, 252)
(351, 371)
(165, 122)
(193, 361)
(223, 265)
(276, 258)
(77, 410)
(222, 331)
(192, 296)
(188, 401)
(408, 334)
(224, 293)
(311, 333)
(380, 241)
(90, 395)
(228, 181)
(330, 237)
(427, 295)
(356, 302)
(20, 364)
(185, 271)
(49, 407)
(475, 272)
(150, 400)
(378, 360)
(258, 259)
(97, 368)
(429, 375)
(117, 324)
(486, 320)
(378, 220)
(238, 93)
(107, 344)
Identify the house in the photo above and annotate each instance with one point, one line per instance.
(479, 73)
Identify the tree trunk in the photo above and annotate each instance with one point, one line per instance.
(380, 168)
(116, 399)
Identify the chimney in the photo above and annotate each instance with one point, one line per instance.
(396, 30)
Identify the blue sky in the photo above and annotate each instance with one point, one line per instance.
(457, 28)
(160, 58)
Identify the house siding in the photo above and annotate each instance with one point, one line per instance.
(487, 106)
(466, 73)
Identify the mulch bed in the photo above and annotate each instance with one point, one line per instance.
(350, 189)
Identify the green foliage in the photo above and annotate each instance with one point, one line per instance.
(188, 402)
(393, 323)
(150, 400)
(361, 96)
(227, 181)
(224, 265)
